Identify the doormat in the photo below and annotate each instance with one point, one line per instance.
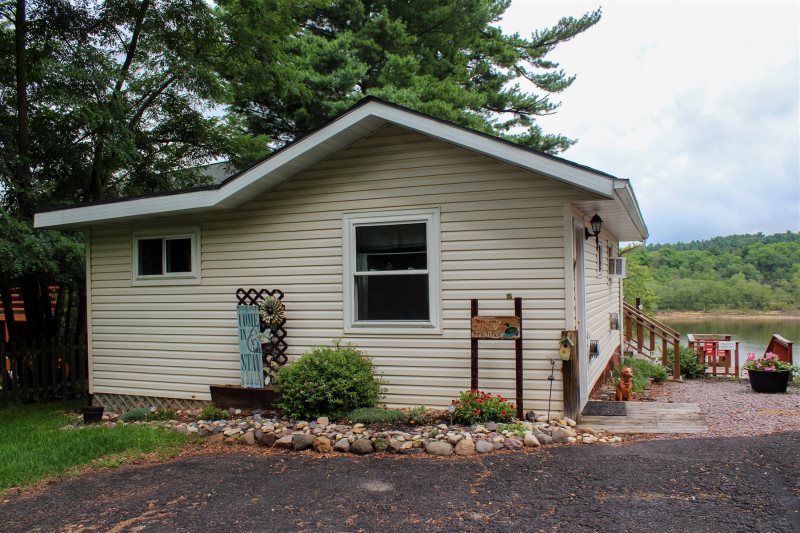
(605, 409)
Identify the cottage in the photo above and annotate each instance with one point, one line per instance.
(379, 227)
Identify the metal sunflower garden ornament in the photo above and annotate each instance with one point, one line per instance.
(272, 314)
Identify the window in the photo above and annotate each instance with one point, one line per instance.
(391, 269)
(166, 257)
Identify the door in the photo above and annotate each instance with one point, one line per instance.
(580, 317)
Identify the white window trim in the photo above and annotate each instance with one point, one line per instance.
(349, 223)
(181, 278)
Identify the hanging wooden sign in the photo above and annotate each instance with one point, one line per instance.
(251, 363)
(496, 327)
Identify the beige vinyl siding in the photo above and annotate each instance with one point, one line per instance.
(501, 231)
(602, 299)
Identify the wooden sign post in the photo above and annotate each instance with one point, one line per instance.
(497, 328)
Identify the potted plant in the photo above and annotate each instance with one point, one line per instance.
(92, 413)
(768, 374)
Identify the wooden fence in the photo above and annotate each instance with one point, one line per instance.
(43, 370)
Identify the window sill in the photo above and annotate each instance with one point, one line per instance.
(388, 329)
(144, 282)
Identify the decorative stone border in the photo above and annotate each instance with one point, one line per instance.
(325, 437)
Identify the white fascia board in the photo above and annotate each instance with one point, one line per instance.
(625, 195)
(287, 162)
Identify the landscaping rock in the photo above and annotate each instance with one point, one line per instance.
(545, 439)
(249, 438)
(491, 426)
(439, 448)
(380, 445)
(513, 444)
(342, 445)
(322, 445)
(216, 438)
(284, 442)
(323, 421)
(465, 447)
(530, 441)
(560, 436)
(484, 446)
(302, 441)
(361, 446)
(396, 445)
(266, 439)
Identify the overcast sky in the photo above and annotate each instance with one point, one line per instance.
(696, 103)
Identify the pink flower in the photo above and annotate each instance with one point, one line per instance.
(770, 355)
(751, 356)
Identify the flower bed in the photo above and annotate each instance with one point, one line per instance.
(323, 436)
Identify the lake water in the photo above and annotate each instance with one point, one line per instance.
(753, 334)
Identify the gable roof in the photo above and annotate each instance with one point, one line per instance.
(365, 117)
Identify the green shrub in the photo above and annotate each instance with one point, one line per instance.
(211, 412)
(517, 429)
(477, 406)
(328, 381)
(166, 415)
(691, 365)
(643, 370)
(135, 415)
(375, 415)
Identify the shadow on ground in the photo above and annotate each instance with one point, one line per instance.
(673, 485)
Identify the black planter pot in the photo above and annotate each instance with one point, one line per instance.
(92, 413)
(769, 382)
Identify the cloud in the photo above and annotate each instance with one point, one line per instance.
(696, 104)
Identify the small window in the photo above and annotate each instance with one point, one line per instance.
(168, 257)
(392, 265)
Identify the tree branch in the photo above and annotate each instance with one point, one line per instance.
(148, 101)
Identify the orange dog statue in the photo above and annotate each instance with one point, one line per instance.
(625, 386)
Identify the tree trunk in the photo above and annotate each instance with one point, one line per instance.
(23, 186)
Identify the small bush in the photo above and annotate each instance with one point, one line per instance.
(643, 370)
(135, 415)
(476, 406)
(211, 412)
(328, 381)
(165, 415)
(417, 415)
(374, 415)
(517, 429)
(691, 365)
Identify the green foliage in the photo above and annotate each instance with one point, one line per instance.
(211, 412)
(416, 415)
(135, 415)
(643, 370)
(744, 272)
(517, 429)
(475, 406)
(165, 415)
(34, 446)
(328, 381)
(445, 58)
(691, 365)
(375, 415)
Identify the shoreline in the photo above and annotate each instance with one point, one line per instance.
(727, 315)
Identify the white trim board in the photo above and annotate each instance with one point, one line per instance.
(356, 123)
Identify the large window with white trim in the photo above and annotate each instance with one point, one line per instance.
(165, 256)
(391, 264)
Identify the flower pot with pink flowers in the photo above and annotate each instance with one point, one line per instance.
(769, 374)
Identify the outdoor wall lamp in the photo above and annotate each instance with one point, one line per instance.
(597, 225)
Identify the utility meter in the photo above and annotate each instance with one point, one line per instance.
(565, 348)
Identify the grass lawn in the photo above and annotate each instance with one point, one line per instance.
(34, 447)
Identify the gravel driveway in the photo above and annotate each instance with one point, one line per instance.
(709, 484)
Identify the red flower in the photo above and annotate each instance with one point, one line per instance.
(476, 412)
(502, 413)
(480, 402)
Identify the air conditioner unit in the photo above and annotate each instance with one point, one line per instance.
(617, 267)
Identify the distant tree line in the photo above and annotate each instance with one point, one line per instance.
(737, 272)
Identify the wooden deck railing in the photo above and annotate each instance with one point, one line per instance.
(644, 325)
(780, 347)
(43, 370)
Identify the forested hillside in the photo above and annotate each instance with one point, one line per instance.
(738, 272)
